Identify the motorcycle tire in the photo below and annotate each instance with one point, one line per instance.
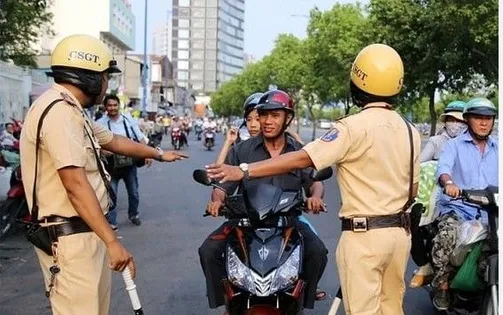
(177, 145)
(11, 210)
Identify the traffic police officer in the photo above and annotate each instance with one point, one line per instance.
(71, 185)
(372, 151)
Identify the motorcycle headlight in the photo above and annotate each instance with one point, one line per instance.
(288, 273)
(238, 273)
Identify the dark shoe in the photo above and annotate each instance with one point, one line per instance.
(136, 221)
(441, 300)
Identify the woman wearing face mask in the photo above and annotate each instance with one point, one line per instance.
(454, 124)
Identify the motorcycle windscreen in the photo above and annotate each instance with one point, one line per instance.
(261, 199)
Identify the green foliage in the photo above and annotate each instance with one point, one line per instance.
(444, 43)
(22, 22)
(448, 47)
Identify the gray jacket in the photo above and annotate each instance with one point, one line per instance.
(433, 147)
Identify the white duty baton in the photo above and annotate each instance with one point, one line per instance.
(131, 289)
(336, 303)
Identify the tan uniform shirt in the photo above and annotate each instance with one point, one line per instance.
(63, 143)
(372, 153)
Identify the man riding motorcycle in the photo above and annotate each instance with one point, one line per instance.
(178, 124)
(276, 112)
(469, 161)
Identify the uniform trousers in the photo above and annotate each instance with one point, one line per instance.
(82, 287)
(371, 268)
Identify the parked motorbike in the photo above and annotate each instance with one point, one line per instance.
(484, 301)
(264, 251)
(209, 138)
(176, 138)
(15, 207)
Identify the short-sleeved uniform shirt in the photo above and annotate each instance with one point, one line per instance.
(254, 150)
(64, 143)
(371, 150)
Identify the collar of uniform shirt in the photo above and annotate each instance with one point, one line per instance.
(67, 95)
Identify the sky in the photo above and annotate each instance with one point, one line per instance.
(264, 21)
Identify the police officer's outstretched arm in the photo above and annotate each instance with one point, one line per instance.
(336, 141)
(123, 145)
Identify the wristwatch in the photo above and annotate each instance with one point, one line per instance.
(244, 168)
(160, 153)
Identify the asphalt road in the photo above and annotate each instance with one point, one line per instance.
(169, 280)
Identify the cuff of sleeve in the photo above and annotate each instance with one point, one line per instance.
(62, 164)
(315, 154)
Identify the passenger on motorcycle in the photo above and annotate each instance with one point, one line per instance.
(209, 124)
(454, 124)
(469, 161)
(7, 137)
(276, 112)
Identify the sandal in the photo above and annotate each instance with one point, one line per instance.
(320, 295)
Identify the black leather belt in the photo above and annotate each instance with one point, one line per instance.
(363, 224)
(69, 226)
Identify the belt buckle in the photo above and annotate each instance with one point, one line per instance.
(359, 224)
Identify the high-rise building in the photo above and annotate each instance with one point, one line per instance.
(208, 40)
(162, 38)
(113, 22)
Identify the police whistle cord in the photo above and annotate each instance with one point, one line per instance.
(131, 289)
(336, 303)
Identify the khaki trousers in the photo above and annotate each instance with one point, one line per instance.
(371, 270)
(82, 287)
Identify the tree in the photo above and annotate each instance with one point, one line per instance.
(334, 39)
(444, 43)
(22, 22)
(288, 67)
(229, 99)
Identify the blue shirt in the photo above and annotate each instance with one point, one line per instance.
(469, 169)
(117, 126)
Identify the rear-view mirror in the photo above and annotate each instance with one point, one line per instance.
(201, 176)
(323, 174)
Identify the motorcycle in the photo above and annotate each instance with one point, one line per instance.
(264, 251)
(209, 138)
(15, 207)
(483, 301)
(176, 137)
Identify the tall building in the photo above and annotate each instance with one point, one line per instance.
(113, 22)
(162, 40)
(208, 40)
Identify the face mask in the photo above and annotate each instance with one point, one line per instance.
(454, 128)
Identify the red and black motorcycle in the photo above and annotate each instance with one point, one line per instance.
(15, 207)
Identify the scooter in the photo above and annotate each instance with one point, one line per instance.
(209, 138)
(483, 301)
(15, 207)
(264, 251)
(176, 137)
